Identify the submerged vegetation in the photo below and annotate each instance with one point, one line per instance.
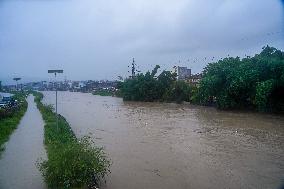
(71, 162)
(104, 92)
(231, 83)
(10, 118)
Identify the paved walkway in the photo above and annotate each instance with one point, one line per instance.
(18, 162)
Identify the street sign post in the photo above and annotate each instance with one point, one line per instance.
(55, 73)
(17, 79)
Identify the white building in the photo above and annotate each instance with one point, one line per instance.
(183, 73)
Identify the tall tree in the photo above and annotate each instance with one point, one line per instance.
(252, 82)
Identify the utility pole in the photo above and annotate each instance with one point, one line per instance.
(55, 72)
(133, 68)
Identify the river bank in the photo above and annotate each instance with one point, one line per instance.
(212, 105)
(178, 145)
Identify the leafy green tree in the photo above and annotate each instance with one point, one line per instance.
(252, 82)
(263, 91)
(178, 92)
(149, 87)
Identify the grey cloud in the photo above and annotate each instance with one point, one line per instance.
(96, 39)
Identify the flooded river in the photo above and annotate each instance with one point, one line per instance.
(166, 146)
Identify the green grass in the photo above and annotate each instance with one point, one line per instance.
(72, 162)
(10, 123)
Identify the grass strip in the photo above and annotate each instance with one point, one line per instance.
(10, 123)
(72, 162)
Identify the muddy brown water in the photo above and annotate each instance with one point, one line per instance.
(24, 149)
(166, 146)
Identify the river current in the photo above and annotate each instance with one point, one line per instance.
(166, 145)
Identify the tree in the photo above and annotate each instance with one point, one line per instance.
(252, 82)
(149, 87)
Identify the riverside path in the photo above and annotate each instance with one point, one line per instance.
(22, 151)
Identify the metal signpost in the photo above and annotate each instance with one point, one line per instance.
(56, 72)
(17, 79)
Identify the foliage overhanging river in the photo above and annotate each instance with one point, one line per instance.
(161, 145)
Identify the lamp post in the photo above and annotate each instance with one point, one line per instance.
(55, 73)
(17, 79)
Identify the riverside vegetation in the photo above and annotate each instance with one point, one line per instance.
(149, 87)
(10, 118)
(72, 162)
(231, 83)
(104, 92)
(252, 82)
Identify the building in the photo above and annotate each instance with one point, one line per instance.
(5, 99)
(183, 73)
(195, 79)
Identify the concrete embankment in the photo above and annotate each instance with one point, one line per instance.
(25, 147)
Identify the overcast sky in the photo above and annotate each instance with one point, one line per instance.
(96, 39)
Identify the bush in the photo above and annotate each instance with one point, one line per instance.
(74, 164)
